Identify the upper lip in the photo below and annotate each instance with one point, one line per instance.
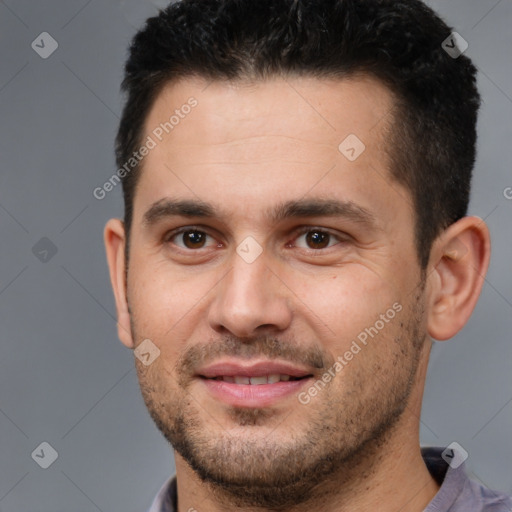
(251, 369)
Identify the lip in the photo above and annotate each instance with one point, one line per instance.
(248, 395)
(252, 369)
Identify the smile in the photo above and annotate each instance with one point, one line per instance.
(253, 384)
(256, 381)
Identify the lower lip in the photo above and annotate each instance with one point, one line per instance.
(248, 395)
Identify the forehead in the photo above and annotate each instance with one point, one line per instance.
(247, 145)
(326, 108)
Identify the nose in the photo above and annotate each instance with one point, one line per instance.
(251, 300)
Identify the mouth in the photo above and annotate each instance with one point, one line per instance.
(256, 381)
(252, 385)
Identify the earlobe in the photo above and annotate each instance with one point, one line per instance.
(114, 239)
(459, 262)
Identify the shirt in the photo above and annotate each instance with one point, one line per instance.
(457, 493)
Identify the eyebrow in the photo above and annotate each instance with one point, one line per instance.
(168, 207)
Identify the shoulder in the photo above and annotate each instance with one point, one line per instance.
(484, 499)
(458, 493)
(166, 499)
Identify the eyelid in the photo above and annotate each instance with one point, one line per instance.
(168, 235)
(340, 237)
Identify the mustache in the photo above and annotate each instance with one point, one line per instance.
(200, 355)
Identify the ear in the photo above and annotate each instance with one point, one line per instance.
(114, 238)
(458, 264)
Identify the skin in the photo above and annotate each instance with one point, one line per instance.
(244, 149)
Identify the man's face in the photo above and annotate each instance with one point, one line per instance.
(307, 258)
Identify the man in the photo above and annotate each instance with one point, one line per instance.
(296, 177)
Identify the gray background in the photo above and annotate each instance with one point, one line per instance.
(64, 376)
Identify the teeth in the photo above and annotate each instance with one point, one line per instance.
(242, 380)
(255, 381)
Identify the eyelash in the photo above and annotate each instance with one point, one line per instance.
(302, 231)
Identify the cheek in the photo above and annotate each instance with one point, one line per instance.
(165, 307)
(162, 297)
(346, 303)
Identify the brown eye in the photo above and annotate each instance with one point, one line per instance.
(193, 239)
(317, 239)
(189, 239)
(314, 239)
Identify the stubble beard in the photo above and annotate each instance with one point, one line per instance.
(343, 436)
